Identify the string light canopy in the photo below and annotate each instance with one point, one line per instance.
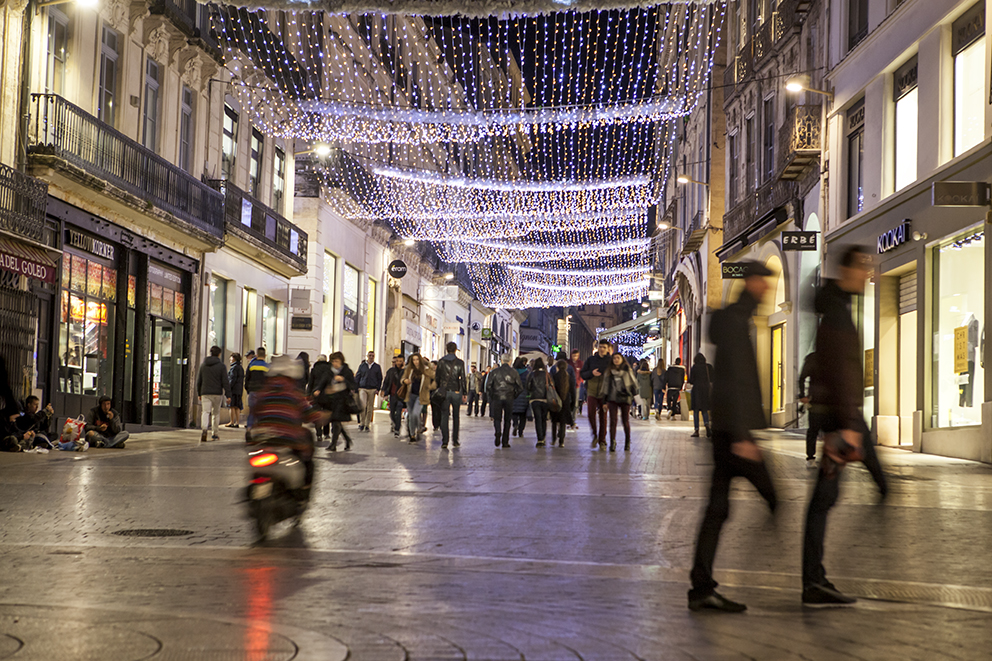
(470, 8)
(526, 139)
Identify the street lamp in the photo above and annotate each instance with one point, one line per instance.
(80, 3)
(408, 242)
(682, 179)
(798, 84)
(321, 149)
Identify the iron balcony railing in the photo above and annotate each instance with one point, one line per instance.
(799, 138)
(766, 199)
(64, 130)
(242, 212)
(23, 201)
(192, 18)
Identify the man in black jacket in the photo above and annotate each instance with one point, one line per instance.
(592, 373)
(674, 382)
(211, 385)
(390, 386)
(451, 393)
(839, 391)
(369, 378)
(815, 415)
(737, 410)
(502, 386)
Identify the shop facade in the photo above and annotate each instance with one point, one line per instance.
(923, 314)
(122, 321)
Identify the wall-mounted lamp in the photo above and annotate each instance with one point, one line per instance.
(798, 84)
(449, 276)
(320, 149)
(919, 236)
(682, 179)
(408, 242)
(85, 4)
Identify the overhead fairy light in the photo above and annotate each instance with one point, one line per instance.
(529, 147)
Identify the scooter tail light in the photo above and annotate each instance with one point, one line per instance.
(261, 480)
(265, 459)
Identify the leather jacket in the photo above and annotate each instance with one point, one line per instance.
(450, 375)
(503, 383)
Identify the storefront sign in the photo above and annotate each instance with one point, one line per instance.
(164, 276)
(476, 326)
(89, 244)
(960, 194)
(350, 321)
(731, 271)
(961, 350)
(894, 238)
(430, 322)
(869, 368)
(301, 323)
(452, 328)
(396, 268)
(440, 293)
(412, 333)
(10, 261)
(487, 333)
(799, 240)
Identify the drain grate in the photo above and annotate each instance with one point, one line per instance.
(153, 532)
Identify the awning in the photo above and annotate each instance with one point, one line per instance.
(693, 242)
(27, 260)
(643, 320)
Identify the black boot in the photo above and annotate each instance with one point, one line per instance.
(626, 445)
(613, 446)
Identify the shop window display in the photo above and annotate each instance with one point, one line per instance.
(86, 329)
(959, 323)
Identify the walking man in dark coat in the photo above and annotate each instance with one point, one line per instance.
(839, 392)
(737, 410)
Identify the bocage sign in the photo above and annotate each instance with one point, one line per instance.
(733, 271)
(894, 238)
(396, 268)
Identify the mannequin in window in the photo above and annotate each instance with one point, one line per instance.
(966, 388)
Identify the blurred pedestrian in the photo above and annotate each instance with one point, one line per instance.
(617, 393)
(236, 377)
(675, 382)
(563, 378)
(737, 410)
(537, 390)
(474, 389)
(576, 364)
(502, 386)
(592, 371)
(815, 416)
(340, 399)
(369, 379)
(320, 379)
(644, 389)
(658, 385)
(255, 379)
(452, 381)
(522, 402)
(304, 359)
(699, 379)
(839, 390)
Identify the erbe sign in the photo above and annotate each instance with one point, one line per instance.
(894, 238)
(799, 240)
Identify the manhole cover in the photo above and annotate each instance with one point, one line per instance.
(153, 532)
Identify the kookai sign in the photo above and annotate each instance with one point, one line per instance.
(894, 238)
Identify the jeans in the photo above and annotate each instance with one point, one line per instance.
(520, 422)
(473, 402)
(596, 413)
(815, 425)
(108, 441)
(482, 407)
(451, 406)
(659, 400)
(825, 494)
(673, 399)
(625, 417)
(540, 419)
(705, 415)
(726, 466)
(211, 412)
(558, 432)
(501, 410)
(413, 423)
(251, 408)
(368, 406)
(395, 412)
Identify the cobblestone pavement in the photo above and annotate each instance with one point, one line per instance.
(414, 552)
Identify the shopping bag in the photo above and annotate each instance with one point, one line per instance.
(73, 429)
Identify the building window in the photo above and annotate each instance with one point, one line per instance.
(855, 159)
(278, 179)
(778, 368)
(768, 147)
(907, 124)
(751, 148)
(255, 162)
(58, 50)
(186, 128)
(86, 332)
(968, 47)
(150, 130)
(229, 143)
(350, 296)
(732, 168)
(329, 305)
(217, 322)
(959, 320)
(857, 22)
(270, 326)
(370, 317)
(107, 94)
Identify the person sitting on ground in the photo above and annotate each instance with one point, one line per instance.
(13, 438)
(281, 410)
(37, 420)
(104, 428)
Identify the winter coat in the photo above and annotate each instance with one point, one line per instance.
(619, 386)
(644, 385)
(675, 377)
(475, 380)
(837, 385)
(565, 387)
(255, 375)
(211, 378)
(595, 362)
(658, 380)
(699, 377)
(393, 381)
(736, 387)
(425, 383)
(236, 377)
(522, 400)
(338, 395)
(320, 377)
(368, 376)
(450, 375)
(503, 383)
(537, 385)
(97, 417)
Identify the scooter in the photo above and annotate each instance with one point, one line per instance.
(278, 488)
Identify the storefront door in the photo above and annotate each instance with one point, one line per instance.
(166, 362)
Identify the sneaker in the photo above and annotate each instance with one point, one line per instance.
(540, 444)
(694, 434)
(505, 445)
(120, 446)
(456, 444)
(215, 438)
(444, 446)
(595, 443)
(716, 602)
(82, 448)
(811, 463)
(825, 596)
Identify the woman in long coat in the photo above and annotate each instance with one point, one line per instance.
(565, 386)
(236, 376)
(338, 398)
(416, 390)
(644, 388)
(699, 377)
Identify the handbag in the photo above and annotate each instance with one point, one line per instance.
(554, 401)
(403, 392)
(354, 405)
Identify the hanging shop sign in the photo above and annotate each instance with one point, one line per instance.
(25, 261)
(451, 328)
(961, 193)
(487, 333)
(412, 333)
(440, 293)
(894, 238)
(732, 270)
(799, 240)
(396, 268)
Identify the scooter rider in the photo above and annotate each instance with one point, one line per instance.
(281, 410)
